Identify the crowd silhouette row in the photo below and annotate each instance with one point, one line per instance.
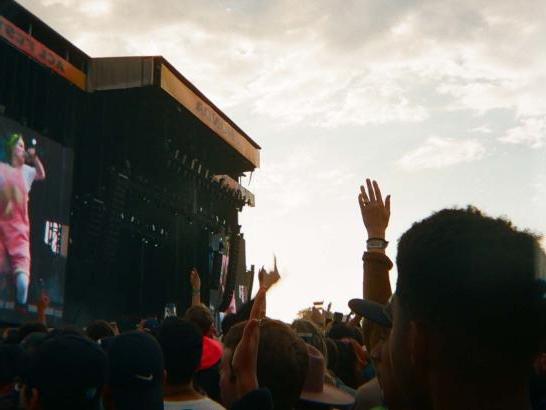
(464, 329)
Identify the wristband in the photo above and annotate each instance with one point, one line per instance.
(196, 292)
(376, 243)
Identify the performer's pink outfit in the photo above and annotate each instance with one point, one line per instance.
(14, 227)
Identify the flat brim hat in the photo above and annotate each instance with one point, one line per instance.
(372, 311)
(329, 396)
(315, 390)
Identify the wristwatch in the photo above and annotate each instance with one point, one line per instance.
(376, 243)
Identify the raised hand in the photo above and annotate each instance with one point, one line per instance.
(375, 212)
(43, 302)
(245, 359)
(268, 279)
(261, 275)
(245, 356)
(259, 307)
(195, 280)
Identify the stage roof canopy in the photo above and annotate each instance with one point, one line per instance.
(112, 73)
(26, 32)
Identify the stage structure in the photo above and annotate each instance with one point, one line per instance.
(147, 183)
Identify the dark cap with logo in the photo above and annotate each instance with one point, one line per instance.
(135, 371)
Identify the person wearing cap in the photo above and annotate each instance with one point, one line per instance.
(135, 372)
(316, 393)
(182, 345)
(64, 373)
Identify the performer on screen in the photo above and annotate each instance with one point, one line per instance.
(16, 178)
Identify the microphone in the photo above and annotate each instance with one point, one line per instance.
(32, 145)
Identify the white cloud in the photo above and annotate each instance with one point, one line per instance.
(530, 131)
(326, 64)
(66, 3)
(97, 8)
(373, 99)
(483, 129)
(442, 152)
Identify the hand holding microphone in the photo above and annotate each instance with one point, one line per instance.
(31, 151)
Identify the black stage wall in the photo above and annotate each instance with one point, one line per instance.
(145, 206)
(143, 203)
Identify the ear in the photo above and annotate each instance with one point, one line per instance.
(419, 346)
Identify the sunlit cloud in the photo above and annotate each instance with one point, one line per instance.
(442, 152)
(482, 129)
(530, 131)
(95, 8)
(329, 65)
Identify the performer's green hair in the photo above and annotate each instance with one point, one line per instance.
(6, 146)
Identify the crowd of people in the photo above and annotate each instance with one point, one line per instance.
(464, 329)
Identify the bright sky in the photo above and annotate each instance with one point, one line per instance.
(444, 103)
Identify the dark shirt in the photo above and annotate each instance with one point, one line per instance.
(259, 399)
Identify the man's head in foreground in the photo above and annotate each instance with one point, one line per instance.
(467, 312)
(64, 372)
(282, 363)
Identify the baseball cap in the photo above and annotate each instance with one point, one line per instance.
(376, 312)
(212, 353)
(70, 368)
(135, 370)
